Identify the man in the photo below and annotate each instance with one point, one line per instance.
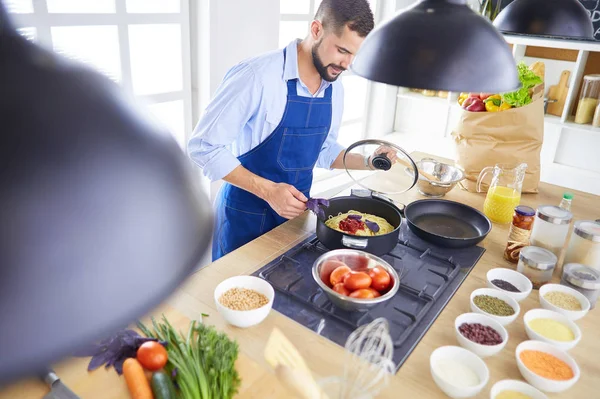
(275, 117)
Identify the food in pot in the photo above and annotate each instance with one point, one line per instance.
(359, 224)
(243, 299)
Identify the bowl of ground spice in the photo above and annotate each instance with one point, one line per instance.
(495, 304)
(546, 367)
(564, 300)
(515, 389)
(244, 301)
(551, 327)
(459, 373)
(480, 334)
(509, 281)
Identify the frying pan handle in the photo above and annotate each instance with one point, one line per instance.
(355, 243)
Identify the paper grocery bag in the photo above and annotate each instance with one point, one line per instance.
(513, 136)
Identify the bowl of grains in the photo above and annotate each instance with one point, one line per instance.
(495, 304)
(480, 334)
(551, 327)
(564, 300)
(244, 301)
(515, 389)
(546, 367)
(509, 281)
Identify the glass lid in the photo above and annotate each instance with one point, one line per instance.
(381, 167)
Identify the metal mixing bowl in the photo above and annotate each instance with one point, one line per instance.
(356, 260)
(448, 176)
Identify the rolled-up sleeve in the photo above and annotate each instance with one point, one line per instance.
(331, 148)
(235, 102)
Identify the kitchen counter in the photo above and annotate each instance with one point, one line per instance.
(325, 358)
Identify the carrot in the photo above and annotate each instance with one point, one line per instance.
(138, 385)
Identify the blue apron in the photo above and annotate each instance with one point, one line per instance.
(288, 155)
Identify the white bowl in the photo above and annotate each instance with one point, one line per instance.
(571, 314)
(515, 278)
(479, 349)
(515, 385)
(245, 318)
(549, 314)
(503, 320)
(465, 357)
(541, 383)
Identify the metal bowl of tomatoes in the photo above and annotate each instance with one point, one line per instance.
(354, 279)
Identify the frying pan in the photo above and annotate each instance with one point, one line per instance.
(446, 223)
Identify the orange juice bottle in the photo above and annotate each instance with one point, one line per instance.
(504, 193)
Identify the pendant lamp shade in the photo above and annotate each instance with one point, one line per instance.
(101, 215)
(559, 18)
(438, 45)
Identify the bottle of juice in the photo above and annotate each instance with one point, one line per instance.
(504, 193)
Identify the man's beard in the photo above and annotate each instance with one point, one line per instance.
(322, 69)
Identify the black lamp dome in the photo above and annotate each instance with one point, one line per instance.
(556, 18)
(438, 45)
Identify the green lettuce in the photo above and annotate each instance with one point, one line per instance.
(528, 80)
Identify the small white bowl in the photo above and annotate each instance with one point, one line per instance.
(480, 350)
(571, 314)
(465, 357)
(549, 314)
(503, 320)
(515, 278)
(516, 385)
(541, 383)
(245, 318)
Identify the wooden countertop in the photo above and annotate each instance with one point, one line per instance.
(325, 358)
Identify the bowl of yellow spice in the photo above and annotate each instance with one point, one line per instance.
(551, 327)
(564, 300)
(514, 389)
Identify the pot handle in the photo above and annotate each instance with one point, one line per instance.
(355, 243)
(401, 207)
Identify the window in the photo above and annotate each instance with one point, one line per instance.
(141, 44)
(296, 16)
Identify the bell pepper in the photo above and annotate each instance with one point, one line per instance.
(462, 98)
(493, 103)
(504, 106)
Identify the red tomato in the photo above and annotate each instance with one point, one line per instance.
(364, 293)
(357, 280)
(381, 279)
(152, 355)
(375, 292)
(341, 289)
(337, 276)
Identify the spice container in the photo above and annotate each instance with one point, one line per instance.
(583, 279)
(596, 121)
(550, 228)
(537, 264)
(584, 246)
(520, 231)
(590, 93)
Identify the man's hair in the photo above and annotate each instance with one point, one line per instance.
(335, 14)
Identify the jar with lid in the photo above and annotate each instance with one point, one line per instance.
(583, 279)
(584, 245)
(520, 230)
(590, 93)
(550, 228)
(537, 264)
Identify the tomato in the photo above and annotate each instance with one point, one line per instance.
(152, 355)
(357, 280)
(364, 293)
(375, 292)
(381, 279)
(341, 289)
(337, 276)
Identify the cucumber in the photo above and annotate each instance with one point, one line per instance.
(162, 386)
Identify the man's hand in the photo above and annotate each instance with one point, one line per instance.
(286, 200)
(389, 152)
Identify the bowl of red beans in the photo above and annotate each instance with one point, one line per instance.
(480, 334)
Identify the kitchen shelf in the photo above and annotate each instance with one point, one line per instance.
(567, 44)
(411, 95)
(555, 120)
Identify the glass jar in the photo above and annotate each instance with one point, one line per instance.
(550, 228)
(583, 279)
(520, 230)
(596, 121)
(537, 264)
(590, 93)
(584, 246)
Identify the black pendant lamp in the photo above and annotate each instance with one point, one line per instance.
(554, 18)
(101, 215)
(438, 45)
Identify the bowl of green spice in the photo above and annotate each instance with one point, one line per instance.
(495, 304)
(551, 327)
(564, 300)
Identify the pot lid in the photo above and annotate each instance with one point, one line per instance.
(380, 166)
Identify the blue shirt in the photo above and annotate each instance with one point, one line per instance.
(248, 106)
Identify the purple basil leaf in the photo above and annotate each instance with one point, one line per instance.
(119, 365)
(98, 361)
(315, 205)
(355, 217)
(323, 202)
(374, 227)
